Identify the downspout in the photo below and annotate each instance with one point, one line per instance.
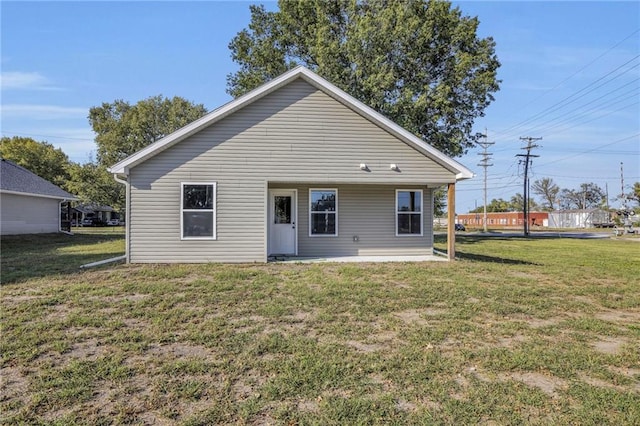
(127, 216)
(64, 200)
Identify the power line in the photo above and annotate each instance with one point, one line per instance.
(589, 150)
(9, 133)
(582, 69)
(578, 112)
(569, 99)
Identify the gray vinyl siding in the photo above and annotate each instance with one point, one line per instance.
(299, 135)
(28, 215)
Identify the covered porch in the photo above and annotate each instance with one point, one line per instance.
(353, 222)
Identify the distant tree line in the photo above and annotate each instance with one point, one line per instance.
(552, 197)
(121, 129)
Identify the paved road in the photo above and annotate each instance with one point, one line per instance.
(538, 234)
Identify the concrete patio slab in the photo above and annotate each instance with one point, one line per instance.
(357, 259)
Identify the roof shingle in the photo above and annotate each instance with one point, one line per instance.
(18, 179)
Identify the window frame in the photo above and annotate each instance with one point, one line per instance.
(421, 212)
(311, 212)
(213, 210)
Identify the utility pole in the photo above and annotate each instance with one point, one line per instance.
(484, 163)
(525, 208)
(622, 196)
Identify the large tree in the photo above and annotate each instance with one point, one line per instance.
(548, 191)
(93, 184)
(588, 196)
(122, 129)
(517, 203)
(41, 158)
(418, 62)
(635, 193)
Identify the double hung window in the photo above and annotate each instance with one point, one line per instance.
(408, 212)
(197, 211)
(323, 212)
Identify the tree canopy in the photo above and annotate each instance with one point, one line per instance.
(547, 189)
(122, 129)
(41, 158)
(588, 196)
(93, 184)
(418, 62)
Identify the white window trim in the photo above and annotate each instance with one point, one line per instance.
(310, 213)
(214, 210)
(421, 213)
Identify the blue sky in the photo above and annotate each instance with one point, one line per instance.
(570, 74)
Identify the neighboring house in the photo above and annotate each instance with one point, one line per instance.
(503, 219)
(295, 167)
(101, 214)
(30, 204)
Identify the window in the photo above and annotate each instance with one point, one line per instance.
(408, 212)
(282, 209)
(197, 210)
(323, 212)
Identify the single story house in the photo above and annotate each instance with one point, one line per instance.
(296, 167)
(93, 212)
(30, 204)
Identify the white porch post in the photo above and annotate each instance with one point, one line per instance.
(451, 218)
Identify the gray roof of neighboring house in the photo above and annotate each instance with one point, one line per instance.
(92, 208)
(15, 178)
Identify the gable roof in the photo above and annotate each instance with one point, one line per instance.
(319, 83)
(15, 179)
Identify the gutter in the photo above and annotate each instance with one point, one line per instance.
(127, 215)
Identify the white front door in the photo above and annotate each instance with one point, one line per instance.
(282, 221)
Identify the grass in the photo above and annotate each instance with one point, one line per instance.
(29, 256)
(541, 331)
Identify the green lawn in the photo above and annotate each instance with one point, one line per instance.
(539, 331)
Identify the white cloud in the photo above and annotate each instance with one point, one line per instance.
(14, 80)
(42, 112)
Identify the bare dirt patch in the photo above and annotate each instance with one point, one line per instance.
(308, 406)
(363, 347)
(416, 316)
(21, 298)
(249, 385)
(535, 323)
(180, 350)
(57, 313)
(300, 316)
(510, 341)
(541, 323)
(546, 383)
(14, 385)
(89, 350)
(609, 345)
(634, 373)
(620, 316)
(602, 384)
(407, 406)
(135, 297)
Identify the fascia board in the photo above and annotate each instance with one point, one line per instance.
(30, 194)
